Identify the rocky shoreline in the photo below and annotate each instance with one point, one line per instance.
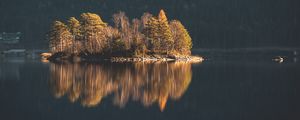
(155, 59)
(150, 58)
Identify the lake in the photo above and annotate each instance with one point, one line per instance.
(227, 86)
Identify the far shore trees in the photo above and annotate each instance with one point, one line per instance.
(148, 35)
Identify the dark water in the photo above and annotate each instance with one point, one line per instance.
(224, 87)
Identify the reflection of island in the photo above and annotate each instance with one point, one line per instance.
(144, 82)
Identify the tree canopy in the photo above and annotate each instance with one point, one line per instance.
(146, 36)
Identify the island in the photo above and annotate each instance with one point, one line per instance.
(150, 38)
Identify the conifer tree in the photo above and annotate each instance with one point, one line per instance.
(74, 27)
(91, 35)
(92, 30)
(182, 39)
(152, 34)
(165, 35)
(60, 38)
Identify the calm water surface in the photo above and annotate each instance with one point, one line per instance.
(221, 88)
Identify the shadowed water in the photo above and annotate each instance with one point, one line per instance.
(225, 86)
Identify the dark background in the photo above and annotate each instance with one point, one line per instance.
(211, 23)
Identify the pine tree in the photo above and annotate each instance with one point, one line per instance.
(92, 30)
(60, 38)
(91, 35)
(165, 35)
(74, 27)
(151, 32)
(182, 39)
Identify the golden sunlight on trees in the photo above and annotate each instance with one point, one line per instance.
(149, 83)
(74, 27)
(165, 35)
(122, 24)
(148, 35)
(60, 38)
(152, 34)
(145, 18)
(182, 39)
(138, 44)
(94, 39)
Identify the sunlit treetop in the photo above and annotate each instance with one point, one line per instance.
(73, 22)
(92, 19)
(58, 25)
(162, 15)
(74, 26)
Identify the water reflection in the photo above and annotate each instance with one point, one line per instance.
(10, 70)
(148, 83)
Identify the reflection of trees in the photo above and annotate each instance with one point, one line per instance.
(144, 82)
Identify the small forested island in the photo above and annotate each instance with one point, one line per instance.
(150, 38)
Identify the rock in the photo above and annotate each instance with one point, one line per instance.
(46, 55)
